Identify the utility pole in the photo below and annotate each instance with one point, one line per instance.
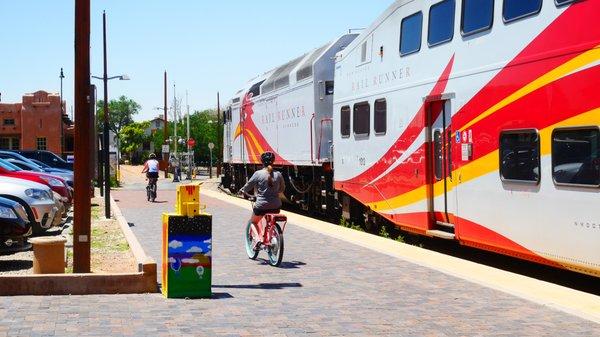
(82, 208)
(177, 168)
(106, 127)
(165, 134)
(219, 135)
(187, 141)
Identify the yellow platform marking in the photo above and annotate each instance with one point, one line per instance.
(568, 300)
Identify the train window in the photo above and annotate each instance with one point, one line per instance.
(441, 22)
(345, 121)
(329, 88)
(563, 2)
(361, 121)
(517, 9)
(255, 89)
(437, 154)
(520, 156)
(380, 116)
(477, 16)
(410, 34)
(576, 156)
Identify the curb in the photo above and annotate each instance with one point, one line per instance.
(143, 281)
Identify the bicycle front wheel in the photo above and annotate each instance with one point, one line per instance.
(250, 249)
(275, 250)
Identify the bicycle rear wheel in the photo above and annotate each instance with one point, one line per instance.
(252, 253)
(275, 250)
(153, 192)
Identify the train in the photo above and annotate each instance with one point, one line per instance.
(471, 121)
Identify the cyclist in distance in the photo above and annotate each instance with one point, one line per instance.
(151, 167)
(268, 184)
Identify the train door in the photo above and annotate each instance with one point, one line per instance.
(440, 194)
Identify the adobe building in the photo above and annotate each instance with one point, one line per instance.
(39, 122)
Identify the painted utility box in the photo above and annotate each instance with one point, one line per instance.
(187, 247)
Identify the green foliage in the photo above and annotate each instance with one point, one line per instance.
(132, 137)
(384, 233)
(204, 128)
(120, 113)
(351, 225)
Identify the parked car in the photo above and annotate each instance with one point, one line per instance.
(57, 184)
(37, 199)
(46, 157)
(31, 166)
(14, 227)
(63, 173)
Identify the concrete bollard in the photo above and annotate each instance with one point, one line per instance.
(48, 255)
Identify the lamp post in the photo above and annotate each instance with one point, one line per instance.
(106, 140)
(62, 127)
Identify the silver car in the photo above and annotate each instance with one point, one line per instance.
(39, 201)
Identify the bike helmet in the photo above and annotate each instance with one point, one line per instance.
(152, 156)
(267, 158)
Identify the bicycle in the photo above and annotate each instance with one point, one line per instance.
(151, 189)
(267, 236)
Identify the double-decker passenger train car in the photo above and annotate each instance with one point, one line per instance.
(287, 111)
(477, 121)
(471, 120)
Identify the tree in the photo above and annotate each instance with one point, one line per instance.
(120, 114)
(132, 137)
(203, 128)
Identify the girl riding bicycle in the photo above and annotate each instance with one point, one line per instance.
(151, 170)
(268, 185)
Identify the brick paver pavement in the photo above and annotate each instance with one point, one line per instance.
(326, 287)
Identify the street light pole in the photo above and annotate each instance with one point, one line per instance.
(62, 127)
(189, 170)
(106, 145)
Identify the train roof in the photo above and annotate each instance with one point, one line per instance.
(365, 33)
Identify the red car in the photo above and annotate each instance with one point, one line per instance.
(57, 184)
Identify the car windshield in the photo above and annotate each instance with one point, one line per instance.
(8, 166)
(39, 163)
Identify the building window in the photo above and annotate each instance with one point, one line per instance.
(41, 143)
(410, 34)
(441, 22)
(361, 121)
(576, 156)
(8, 121)
(380, 122)
(9, 143)
(477, 16)
(517, 9)
(345, 121)
(520, 156)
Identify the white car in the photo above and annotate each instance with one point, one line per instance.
(39, 201)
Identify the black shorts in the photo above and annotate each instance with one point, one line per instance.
(261, 212)
(152, 175)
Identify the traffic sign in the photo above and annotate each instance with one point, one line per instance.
(191, 142)
(211, 146)
(165, 148)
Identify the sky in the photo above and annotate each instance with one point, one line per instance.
(205, 46)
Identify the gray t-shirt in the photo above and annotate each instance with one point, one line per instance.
(267, 197)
